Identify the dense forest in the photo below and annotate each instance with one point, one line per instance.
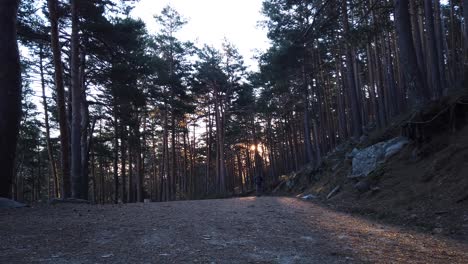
(112, 113)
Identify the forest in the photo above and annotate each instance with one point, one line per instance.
(110, 113)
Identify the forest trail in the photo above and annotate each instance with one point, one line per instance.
(240, 230)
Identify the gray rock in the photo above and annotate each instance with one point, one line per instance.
(362, 186)
(352, 154)
(7, 203)
(395, 148)
(366, 160)
(309, 197)
(363, 139)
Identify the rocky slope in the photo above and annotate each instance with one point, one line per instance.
(420, 180)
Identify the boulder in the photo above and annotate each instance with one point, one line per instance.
(352, 154)
(7, 203)
(366, 160)
(309, 197)
(395, 147)
(362, 186)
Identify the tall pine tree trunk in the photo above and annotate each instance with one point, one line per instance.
(417, 38)
(208, 150)
(77, 191)
(10, 93)
(123, 165)
(86, 135)
(139, 163)
(116, 157)
(59, 86)
(465, 33)
(439, 35)
(416, 91)
(307, 141)
(52, 165)
(172, 183)
(352, 89)
(433, 62)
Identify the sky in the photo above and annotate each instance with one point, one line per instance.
(211, 21)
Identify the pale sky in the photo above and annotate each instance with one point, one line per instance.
(210, 21)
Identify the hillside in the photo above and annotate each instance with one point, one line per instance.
(423, 186)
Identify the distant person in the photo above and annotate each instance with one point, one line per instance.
(258, 180)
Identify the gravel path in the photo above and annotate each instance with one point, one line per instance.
(241, 230)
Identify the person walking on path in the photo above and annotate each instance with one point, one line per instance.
(258, 185)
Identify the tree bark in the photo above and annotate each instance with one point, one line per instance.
(465, 16)
(86, 133)
(439, 35)
(432, 50)
(59, 86)
(123, 154)
(139, 162)
(116, 158)
(10, 93)
(52, 165)
(172, 183)
(417, 38)
(355, 111)
(77, 191)
(208, 150)
(307, 141)
(416, 91)
(220, 161)
(370, 70)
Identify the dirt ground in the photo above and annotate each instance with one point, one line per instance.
(241, 230)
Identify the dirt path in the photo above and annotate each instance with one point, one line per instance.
(244, 230)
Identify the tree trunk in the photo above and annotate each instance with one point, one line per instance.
(465, 17)
(130, 193)
(53, 167)
(77, 191)
(355, 111)
(208, 150)
(139, 165)
(93, 177)
(343, 126)
(416, 91)
(417, 38)
(372, 94)
(59, 86)
(172, 183)
(185, 162)
(123, 154)
(116, 158)
(10, 93)
(165, 159)
(86, 136)
(392, 89)
(220, 163)
(307, 141)
(439, 35)
(432, 50)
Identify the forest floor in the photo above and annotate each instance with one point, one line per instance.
(239, 230)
